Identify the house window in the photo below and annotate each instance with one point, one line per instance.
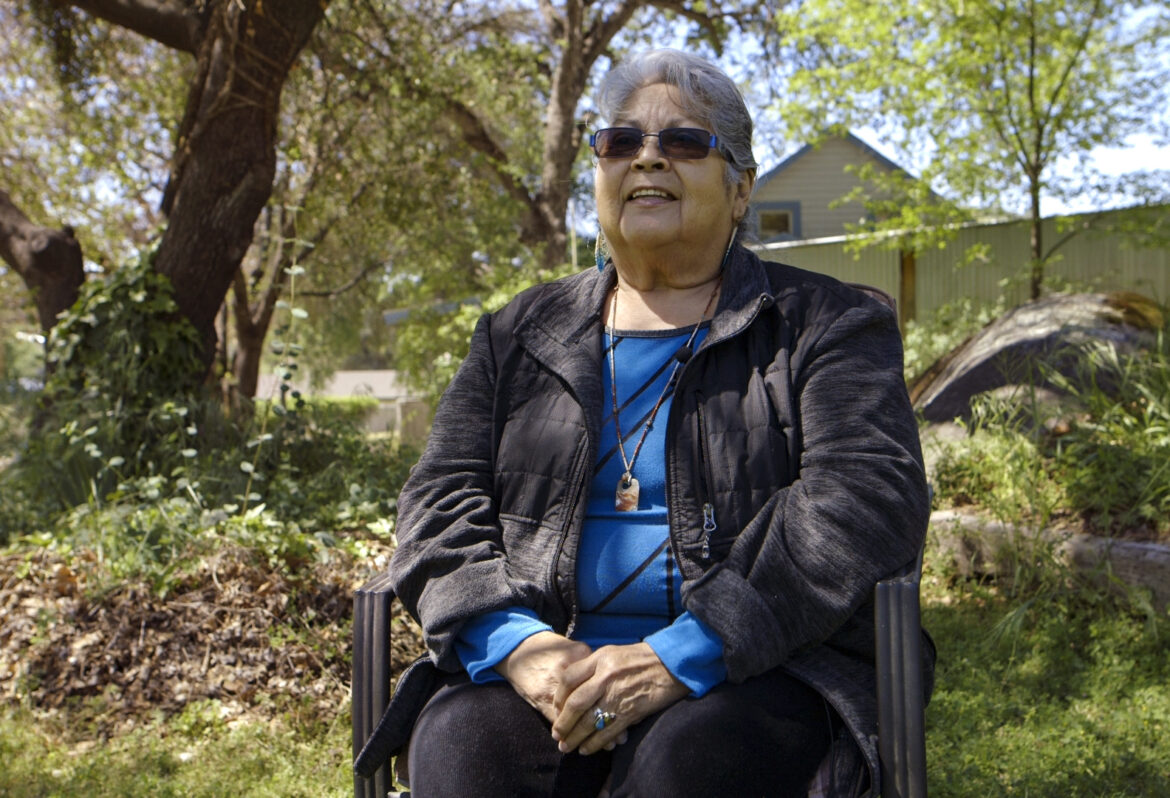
(775, 223)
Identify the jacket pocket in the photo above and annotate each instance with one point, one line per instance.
(706, 487)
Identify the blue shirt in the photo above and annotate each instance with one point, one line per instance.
(628, 586)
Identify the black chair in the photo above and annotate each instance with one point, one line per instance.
(901, 733)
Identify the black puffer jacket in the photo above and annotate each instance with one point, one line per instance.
(791, 425)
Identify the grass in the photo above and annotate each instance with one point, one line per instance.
(1055, 692)
(189, 756)
(1058, 693)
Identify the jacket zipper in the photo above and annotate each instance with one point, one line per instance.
(579, 483)
(707, 481)
(710, 523)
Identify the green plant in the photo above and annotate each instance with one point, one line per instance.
(1115, 457)
(927, 340)
(1001, 466)
(1050, 693)
(115, 403)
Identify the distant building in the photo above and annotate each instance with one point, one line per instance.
(793, 199)
(400, 410)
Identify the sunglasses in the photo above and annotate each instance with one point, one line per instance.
(689, 143)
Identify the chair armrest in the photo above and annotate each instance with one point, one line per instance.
(372, 604)
(901, 729)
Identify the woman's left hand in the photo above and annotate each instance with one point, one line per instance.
(629, 681)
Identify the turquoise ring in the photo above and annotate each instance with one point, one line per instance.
(602, 718)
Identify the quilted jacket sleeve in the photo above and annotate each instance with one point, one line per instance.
(799, 570)
(449, 565)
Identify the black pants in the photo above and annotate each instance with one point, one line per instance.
(764, 737)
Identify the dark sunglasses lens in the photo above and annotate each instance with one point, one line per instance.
(684, 142)
(675, 142)
(617, 142)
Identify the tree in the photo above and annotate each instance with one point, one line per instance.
(377, 186)
(63, 154)
(414, 138)
(222, 167)
(999, 102)
(486, 131)
(566, 42)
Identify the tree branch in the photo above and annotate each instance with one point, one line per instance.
(176, 23)
(48, 261)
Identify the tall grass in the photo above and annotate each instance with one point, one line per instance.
(1099, 457)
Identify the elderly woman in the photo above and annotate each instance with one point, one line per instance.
(657, 497)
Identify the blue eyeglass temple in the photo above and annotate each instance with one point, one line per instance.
(593, 139)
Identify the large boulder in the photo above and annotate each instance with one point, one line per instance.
(1030, 342)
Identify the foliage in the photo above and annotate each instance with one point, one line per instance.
(927, 340)
(86, 136)
(1101, 456)
(114, 404)
(432, 344)
(1060, 692)
(19, 376)
(1001, 467)
(992, 104)
(1115, 459)
(133, 463)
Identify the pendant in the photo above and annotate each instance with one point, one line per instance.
(627, 494)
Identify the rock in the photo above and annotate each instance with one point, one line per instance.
(983, 547)
(1022, 346)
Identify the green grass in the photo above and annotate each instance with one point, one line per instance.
(1056, 692)
(1060, 693)
(193, 756)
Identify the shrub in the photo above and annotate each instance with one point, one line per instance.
(928, 340)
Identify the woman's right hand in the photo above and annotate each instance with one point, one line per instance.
(535, 668)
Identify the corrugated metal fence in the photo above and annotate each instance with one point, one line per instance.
(1092, 260)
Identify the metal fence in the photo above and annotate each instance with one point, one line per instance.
(1100, 258)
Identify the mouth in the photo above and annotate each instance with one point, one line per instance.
(653, 193)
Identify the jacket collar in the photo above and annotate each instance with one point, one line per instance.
(561, 329)
(746, 289)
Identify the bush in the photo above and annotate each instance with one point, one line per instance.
(1102, 456)
(1115, 457)
(133, 461)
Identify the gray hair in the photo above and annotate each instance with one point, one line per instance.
(705, 92)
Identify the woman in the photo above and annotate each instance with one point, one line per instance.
(657, 497)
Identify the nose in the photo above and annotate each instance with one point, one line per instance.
(649, 155)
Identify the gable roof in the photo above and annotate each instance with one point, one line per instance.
(807, 148)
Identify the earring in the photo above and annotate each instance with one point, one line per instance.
(600, 251)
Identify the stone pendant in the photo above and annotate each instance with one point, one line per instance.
(627, 494)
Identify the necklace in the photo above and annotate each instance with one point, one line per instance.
(628, 489)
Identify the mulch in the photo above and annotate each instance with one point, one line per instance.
(233, 630)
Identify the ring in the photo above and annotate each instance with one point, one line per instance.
(602, 718)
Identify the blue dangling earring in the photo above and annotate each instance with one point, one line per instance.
(600, 251)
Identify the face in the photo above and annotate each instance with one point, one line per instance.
(649, 200)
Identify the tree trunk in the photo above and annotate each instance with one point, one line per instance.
(225, 160)
(47, 260)
(1036, 242)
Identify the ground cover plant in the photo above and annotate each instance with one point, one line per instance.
(186, 631)
(1056, 690)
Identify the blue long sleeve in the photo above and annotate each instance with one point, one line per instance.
(487, 640)
(692, 652)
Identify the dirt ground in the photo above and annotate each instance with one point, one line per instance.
(232, 630)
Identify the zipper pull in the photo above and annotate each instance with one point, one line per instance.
(708, 527)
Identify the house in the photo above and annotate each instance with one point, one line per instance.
(400, 410)
(793, 200)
